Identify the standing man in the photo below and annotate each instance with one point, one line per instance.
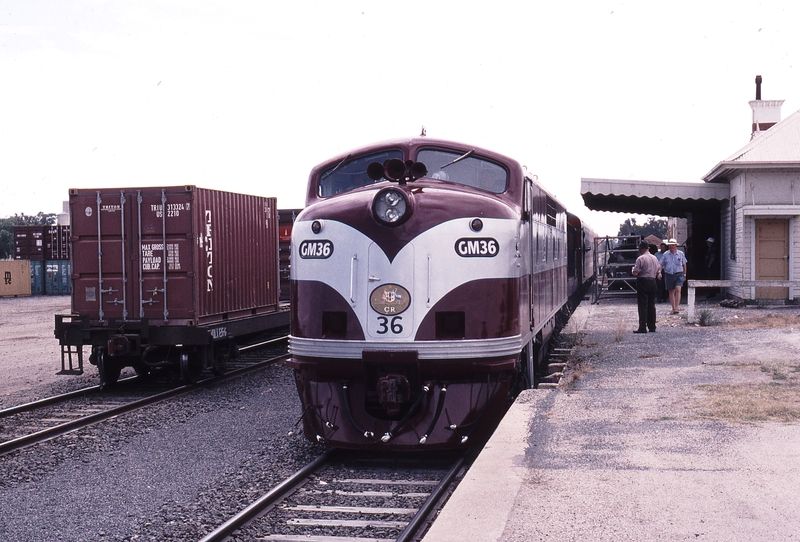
(646, 270)
(661, 296)
(674, 265)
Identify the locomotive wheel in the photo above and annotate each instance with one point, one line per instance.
(191, 367)
(108, 368)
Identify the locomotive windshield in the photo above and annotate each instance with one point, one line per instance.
(464, 168)
(351, 172)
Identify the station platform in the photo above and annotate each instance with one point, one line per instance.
(640, 445)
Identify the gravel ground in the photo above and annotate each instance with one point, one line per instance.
(171, 472)
(632, 447)
(30, 355)
(689, 433)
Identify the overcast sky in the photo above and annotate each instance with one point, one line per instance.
(249, 96)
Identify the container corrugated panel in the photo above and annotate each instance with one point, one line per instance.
(15, 278)
(57, 277)
(37, 277)
(182, 255)
(56, 243)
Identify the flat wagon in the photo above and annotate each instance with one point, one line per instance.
(169, 278)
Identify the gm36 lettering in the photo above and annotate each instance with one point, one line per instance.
(478, 247)
(316, 250)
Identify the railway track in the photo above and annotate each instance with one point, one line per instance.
(352, 497)
(37, 421)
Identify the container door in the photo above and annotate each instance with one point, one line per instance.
(121, 267)
(101, 247)
(162, 252)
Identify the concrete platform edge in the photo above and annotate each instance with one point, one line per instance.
(485, 497)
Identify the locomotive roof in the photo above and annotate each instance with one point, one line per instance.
(410, 147)
(414, 143)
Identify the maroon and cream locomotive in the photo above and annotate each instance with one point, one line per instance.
(426, 281)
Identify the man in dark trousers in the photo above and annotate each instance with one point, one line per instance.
(646, 270)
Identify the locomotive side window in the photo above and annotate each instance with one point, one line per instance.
(351, 173)
(466, 169)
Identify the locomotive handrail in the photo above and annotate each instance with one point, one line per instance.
(352, 277)
(428, 303)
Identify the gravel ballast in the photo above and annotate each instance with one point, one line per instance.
(173, 471)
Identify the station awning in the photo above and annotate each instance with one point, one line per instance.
(671, 199)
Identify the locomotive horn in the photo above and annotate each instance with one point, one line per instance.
(375, 171)
(394, 169)
(418, 170)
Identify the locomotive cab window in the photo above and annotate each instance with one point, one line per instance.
(464, 168)
(351, 173)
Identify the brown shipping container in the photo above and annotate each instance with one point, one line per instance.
(220, 262)
(15, 278)
(29, 242)
(56, 242)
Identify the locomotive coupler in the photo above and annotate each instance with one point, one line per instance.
(393, 391)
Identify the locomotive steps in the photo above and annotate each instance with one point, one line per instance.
(557, 363)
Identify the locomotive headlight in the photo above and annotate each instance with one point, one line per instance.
(390, 207)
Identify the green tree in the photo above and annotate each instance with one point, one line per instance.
(6, 244)
(653, 226)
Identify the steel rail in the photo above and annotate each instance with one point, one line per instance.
(412, 530)
(258, 507)
(73, 425)
(33, 405)
(264, 343)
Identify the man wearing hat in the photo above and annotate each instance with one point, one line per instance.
(673, 264)
(646, 270)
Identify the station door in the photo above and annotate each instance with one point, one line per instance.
(772, 256)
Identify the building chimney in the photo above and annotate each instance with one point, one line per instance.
(766, 113)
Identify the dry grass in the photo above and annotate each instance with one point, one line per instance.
(575, 369)
(763, 321)
(776, 400)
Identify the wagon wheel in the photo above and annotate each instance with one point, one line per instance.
(108, 368)
(191, 367)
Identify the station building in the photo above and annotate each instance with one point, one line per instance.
(749, 203)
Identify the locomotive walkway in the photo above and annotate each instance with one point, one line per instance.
(682, 434)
